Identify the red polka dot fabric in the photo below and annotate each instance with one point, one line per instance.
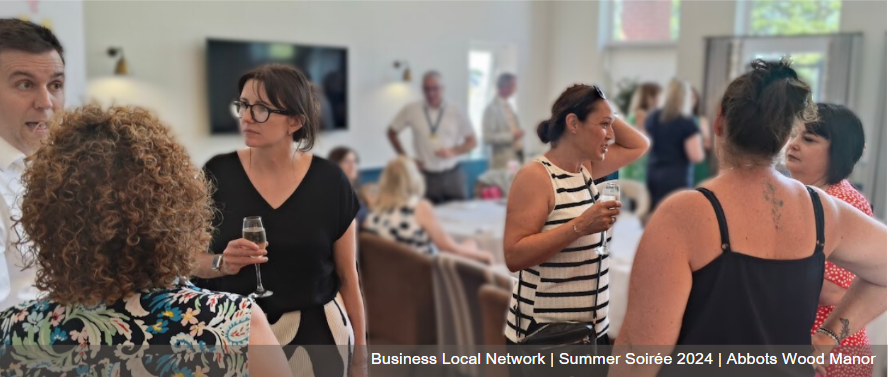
(841, 277)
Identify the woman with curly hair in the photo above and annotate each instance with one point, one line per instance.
(111, 211)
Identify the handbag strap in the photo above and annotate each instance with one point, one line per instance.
(518, 329)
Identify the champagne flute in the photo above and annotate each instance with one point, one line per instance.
(611, 192)
(255, 232)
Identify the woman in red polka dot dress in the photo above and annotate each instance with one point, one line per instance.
(823, 155)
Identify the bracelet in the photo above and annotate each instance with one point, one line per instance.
(831, 334)
(577, 231)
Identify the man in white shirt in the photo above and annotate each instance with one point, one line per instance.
(500, 125)
(32, 78)
(441, 132)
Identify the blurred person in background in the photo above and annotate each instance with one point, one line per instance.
(32, 70)
(676, 144)
(823, 154)
(500, 125)
(740, 260)
(555, 223)
(308, 211)
(401, 214)
(348, 161)
(645, 99)
(701, 169)
(441, 133)
(113, 209)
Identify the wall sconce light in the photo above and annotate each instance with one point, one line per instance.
(407, 76)
(121, 68)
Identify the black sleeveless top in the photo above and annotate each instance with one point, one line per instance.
(746, 300)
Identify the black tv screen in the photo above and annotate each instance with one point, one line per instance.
(325, 67)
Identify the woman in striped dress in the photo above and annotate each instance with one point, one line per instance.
(553, 223)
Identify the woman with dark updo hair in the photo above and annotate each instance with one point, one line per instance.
(554, 221)
(740, 260)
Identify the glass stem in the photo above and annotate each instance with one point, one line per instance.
(259, 279)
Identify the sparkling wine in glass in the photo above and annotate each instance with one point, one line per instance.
(611, 192)
(255, 232)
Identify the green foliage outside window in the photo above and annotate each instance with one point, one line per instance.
(790, 17)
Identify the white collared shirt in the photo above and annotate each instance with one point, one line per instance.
(452, 131)
(16, 286)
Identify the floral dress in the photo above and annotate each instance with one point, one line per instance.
(192, 333)
(843, 278)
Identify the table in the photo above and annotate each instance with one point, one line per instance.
(484, 222)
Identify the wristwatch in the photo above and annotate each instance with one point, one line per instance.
(217, 262)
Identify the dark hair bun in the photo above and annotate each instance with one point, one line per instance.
(762, 106)
(543, 131)
(774, 70)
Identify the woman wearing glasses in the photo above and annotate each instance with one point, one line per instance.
(308, 209)
(554, 221)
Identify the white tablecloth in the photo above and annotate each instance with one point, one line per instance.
(484, 221)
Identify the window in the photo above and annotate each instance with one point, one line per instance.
(487, 60)
(643, 21)
(480, 85)
(792, 17)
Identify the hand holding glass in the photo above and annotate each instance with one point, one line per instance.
(611, 192)
(255, 232)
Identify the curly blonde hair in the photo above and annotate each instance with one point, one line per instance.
(112, 205)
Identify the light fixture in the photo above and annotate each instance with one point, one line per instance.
(407, 76)
(121, 68)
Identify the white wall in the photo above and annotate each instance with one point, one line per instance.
(701, 19)
(65, 19)
(164, 44)
(868, 17)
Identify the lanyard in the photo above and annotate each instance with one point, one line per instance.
(433, 127)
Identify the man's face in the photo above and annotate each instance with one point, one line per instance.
(432, 89)
(31, 91)
(508, 89)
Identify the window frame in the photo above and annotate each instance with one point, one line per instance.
(606, 30)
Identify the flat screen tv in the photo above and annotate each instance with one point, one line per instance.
(325, 67)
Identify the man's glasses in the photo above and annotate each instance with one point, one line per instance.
(259, 113)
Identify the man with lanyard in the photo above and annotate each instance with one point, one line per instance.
(500, 125)
(441, 132)
(32, 79)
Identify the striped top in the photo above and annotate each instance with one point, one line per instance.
(564, 287)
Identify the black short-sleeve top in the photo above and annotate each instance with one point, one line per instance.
(301, 232)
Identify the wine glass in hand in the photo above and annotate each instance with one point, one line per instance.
(611, 192)
(255, 232)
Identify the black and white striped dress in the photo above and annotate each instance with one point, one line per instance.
(400, 225)
(564, 287)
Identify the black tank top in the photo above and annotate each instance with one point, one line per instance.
(742, 299)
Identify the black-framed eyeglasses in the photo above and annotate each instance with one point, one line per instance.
(260, 113)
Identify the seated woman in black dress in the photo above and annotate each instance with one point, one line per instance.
(308, 211)
(740, 260)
